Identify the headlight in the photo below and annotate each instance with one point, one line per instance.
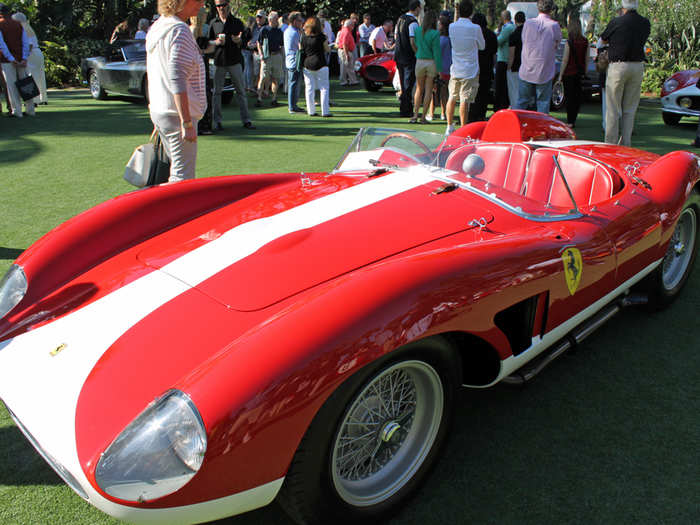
(685, 102)
(157, 454)
(12, 289)
(671, 85)
(358, 65)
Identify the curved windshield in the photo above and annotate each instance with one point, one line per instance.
(535, 181)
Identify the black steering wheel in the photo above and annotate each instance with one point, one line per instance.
(400, 135)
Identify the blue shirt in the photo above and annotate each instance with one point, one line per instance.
(292, 37)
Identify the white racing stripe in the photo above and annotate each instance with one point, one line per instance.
(42, 390)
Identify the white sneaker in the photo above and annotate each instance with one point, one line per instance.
(449, 130)
(443, 117)
(429, 118)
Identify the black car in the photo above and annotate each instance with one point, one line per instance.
(121, 70)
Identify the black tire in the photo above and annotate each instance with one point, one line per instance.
(320, 488)
(226, 97)
(670, 119)
(96, 90)
(372, 86)
(666, 282)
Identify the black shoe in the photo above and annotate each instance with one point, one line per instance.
(206, 131)
(249, 125)
(326, 116)
(274, 103)
(258, 103)
(696, 143)
(218, 127)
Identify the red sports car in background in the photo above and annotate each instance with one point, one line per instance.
(680, 96)
(195, 350)
(377, 70)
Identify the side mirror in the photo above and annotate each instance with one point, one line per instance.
(473, 165)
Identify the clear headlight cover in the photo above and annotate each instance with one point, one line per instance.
(12, 289)
(157, 454)
(671, 85)
(358, 65)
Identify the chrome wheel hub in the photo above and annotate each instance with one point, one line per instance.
(680, 250)
(387, 432)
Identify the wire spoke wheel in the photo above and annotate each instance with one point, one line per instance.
(386, 434)
(680, 250)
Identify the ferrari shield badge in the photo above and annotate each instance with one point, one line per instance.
(573, 267)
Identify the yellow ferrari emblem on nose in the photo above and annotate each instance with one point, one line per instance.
(58, 349)
(573, 268)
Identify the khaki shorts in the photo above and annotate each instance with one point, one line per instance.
(272, 67)
(466, 87)
(425, 67)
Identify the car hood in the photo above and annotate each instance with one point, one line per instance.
(307, 233)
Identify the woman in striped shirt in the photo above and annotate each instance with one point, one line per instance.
(176, 85)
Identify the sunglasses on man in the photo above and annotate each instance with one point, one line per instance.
(220, 5)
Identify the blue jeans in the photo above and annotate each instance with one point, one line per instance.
(293, 87)
(248, 69)
(534, 95)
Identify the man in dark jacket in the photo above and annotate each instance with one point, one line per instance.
(14, 60)
(625, 36)
(405, 55)
(226, 31)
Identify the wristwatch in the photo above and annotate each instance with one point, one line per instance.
(187, 124)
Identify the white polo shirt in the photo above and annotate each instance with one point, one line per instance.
(378, 38)
(466, 39)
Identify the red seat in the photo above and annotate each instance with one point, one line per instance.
(504, 164)
(590, 182)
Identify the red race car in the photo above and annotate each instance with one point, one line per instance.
(208, 346)
(377, 70)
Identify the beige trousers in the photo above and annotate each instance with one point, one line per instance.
(622, 92)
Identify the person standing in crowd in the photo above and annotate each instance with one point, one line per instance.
(247, 53)
(515, 49)
(364, 32)
(260, 22)
(602, 77)
(142, 27)
(121, 32)
(326, 30)
(379, 38)
(226, 30)
(466, 40)
(346, 48)
(443, 79)
(314, 49)
(3, 88)
(625, 36)
(35, 61)
(574, 65)
(541, 38)
(501, 81)
(292, 40)
(176, 84)
(200, 30)
(428, 63)
(405, 56)
(14, 61)
(477, 110)
(270, 45)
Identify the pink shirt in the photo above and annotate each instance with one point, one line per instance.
(344, 40)
(541, 37)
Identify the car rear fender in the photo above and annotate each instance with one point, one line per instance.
(101, 232)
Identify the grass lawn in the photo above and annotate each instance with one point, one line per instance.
(608, 434)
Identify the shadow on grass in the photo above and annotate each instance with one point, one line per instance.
(20, 464)
(10, 254)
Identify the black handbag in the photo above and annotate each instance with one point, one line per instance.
(27, 88)
(160, 167)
